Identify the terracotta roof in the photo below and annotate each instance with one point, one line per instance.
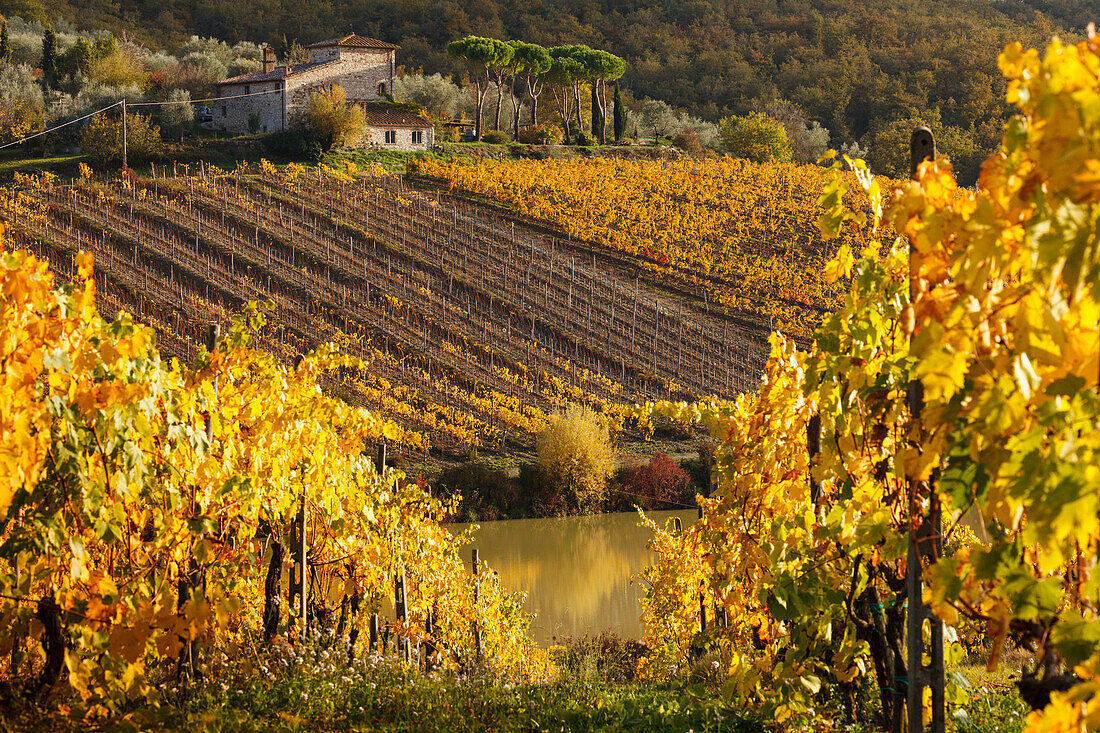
(383, 115)
(356, 41)
(279, 72)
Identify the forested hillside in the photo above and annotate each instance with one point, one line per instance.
(854, 66)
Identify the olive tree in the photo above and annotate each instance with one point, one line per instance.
(178, 116)
(441, 97)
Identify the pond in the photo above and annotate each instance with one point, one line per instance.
(578, 572)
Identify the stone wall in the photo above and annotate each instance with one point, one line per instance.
(231, 115)
(329, 53)
(375, 138)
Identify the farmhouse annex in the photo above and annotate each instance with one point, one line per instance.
(269, 100)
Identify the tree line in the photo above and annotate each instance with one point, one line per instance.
(528, 69)
(864, 70)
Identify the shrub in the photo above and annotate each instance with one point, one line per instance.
(575, 458)
(541, 135)
(585, 139)
(102, 139)
(688, 141)
(659, 484)
(756, 137)
(496, 137)
(295, 144)
(607, 656)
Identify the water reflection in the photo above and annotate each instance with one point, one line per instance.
(576, 570)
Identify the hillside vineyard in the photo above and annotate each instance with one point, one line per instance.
(471, 328)
(733, 232)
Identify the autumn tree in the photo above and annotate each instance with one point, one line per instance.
(102, 139)
(331, 120)
(755, 137)
(576, 458)
(22, 105)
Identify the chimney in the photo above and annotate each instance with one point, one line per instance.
(269, 59)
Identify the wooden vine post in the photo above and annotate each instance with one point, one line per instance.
(400, 605)
(272, 600)
(702, 595)
(303, 571)
(48, 613)
(925, 539)
(813, 443)
(477, 626)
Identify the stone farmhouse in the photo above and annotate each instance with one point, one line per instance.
(270, 100)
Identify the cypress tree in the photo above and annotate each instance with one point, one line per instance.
(49, 57)
(619, 116)
(5, 41)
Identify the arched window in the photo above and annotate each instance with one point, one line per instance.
(382, 89)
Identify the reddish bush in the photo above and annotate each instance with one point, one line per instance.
(660, 484)
(688, 141)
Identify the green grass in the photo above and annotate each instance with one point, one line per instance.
(391, 160)
(56, 163)
(279, 688)
(320, 690)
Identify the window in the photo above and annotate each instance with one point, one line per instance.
(391, 137)
(382, 89)
(418, 137)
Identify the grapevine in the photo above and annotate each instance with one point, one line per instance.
(807, 557)
(127, 477)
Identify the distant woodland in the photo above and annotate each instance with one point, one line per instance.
(864, 69)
